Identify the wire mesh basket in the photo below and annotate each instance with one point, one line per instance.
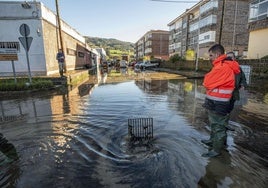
(140, 129)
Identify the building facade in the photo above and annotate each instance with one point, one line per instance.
(207, 23)
(153, 44)
(258, 29)
(43, 31)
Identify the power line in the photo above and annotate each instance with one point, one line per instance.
(166, 1)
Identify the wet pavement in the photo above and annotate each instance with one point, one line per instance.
(79, 137)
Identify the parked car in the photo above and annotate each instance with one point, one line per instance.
(149, 64)
(138, 64)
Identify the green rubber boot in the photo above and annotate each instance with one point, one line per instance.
(218, 134)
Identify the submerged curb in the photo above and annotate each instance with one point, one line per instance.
(188, 74)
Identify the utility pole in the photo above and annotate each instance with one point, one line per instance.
(197, 50)
(60, 33)
(222, 19)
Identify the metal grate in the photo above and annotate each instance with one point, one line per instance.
(140, 129)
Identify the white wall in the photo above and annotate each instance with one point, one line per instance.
(12, 16)
(51, 17)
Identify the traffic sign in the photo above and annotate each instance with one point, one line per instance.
(24, 30)
(26, 42)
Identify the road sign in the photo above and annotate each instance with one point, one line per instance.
(8, 57)
(24, 30)
(26, 42)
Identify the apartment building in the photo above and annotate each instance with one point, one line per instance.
(152, 44)
(258, 29)
(209, 22)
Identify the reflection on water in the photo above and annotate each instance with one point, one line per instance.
(8, 162)
(79, 138)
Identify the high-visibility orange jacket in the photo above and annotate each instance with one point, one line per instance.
(220, 81)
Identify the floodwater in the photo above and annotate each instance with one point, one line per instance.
(79, 138)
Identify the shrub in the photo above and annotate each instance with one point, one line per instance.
(176, 58)
(23, 84)
(265, 57)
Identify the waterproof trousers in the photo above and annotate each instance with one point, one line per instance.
(218, 133)
(61, 68)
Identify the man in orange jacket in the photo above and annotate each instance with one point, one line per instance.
(219, 84)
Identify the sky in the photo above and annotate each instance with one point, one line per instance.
(125, 20)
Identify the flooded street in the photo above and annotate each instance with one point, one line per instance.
(79, 138)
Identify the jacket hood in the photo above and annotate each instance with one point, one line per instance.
(231, 63)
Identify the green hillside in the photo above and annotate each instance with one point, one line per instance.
(113, 47)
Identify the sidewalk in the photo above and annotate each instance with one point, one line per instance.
(188, 74)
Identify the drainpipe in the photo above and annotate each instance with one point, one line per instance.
(234, 31)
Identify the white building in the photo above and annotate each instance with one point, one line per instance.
(43, 30)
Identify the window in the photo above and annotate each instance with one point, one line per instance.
(81, 54)
(178, 24)
(148, 36)
(177, 35)
(208, 6)
(148, 43)
(258, 10)
(171, 27)
(177, 45)
(207, 37)
(193, 27)
(263, 7)
(245, 53)
(184, 25)
(171, 47)
(209, 20)
(193, 40)
(148, 50)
